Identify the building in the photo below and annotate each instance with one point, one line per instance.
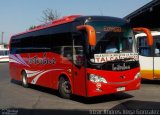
(147, 16)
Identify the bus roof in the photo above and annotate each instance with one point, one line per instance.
(101, 18)
(63, 20)
(154, 33)
(68, 19)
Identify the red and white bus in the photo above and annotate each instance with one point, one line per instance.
(81, 55)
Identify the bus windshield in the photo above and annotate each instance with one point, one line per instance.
(112, 38)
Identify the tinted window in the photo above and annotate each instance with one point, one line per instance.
(27, 42)
(144, 49)
(157, 46)
(15, 46)
(78, 50)
(41, 43)
(49, 39)
(1, 53)
(6, 52)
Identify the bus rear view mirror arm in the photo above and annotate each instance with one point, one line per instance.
(147, 32)
(90, 32)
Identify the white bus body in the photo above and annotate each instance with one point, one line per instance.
(149, 57)
(4, 55)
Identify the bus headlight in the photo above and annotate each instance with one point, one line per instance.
(138, 75)
(95, 78)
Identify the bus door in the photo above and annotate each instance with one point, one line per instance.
(79, 76)
(146, 59)
(156, 57)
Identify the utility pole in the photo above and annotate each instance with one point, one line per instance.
(2, 37)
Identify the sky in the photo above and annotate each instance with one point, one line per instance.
(18, 15)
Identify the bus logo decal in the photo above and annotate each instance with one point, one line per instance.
(17, 59)
(43, 61)
(38, 74)
(32, 73)
(120, 67)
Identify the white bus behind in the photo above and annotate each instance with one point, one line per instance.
(149, 57)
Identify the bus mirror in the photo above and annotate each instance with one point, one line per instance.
(90, 32)
(148, 33)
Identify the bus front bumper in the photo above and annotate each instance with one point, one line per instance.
(96, 89)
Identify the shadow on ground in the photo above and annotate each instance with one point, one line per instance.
(102, 99)
(21, 111)
(137, 107)
(145, 81)
(84, 100)
(131, 107)
(126, 107)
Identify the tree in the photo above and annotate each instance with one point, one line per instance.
(32, 27)
(50, 15)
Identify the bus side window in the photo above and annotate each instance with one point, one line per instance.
(144, 49)
(6, 53)
(78, 57)
(1, 53)
(67, 52)
(157, 49)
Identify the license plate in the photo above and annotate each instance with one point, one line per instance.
(121, 89)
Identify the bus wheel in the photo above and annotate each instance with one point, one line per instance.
(24, 79)
(65, 88)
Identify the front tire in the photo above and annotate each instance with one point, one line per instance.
(65, 88)
(24, 80)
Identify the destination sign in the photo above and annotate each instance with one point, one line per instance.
(112, 29)
(101, 58)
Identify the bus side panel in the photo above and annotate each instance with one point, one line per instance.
(59, 67)
(45, 69)
(156, 51)
(38, 68)
(15, 67)
(146, 65)
(157, 67)
(41, 68)
(48, 68)
(47, 75)
(79, 81)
